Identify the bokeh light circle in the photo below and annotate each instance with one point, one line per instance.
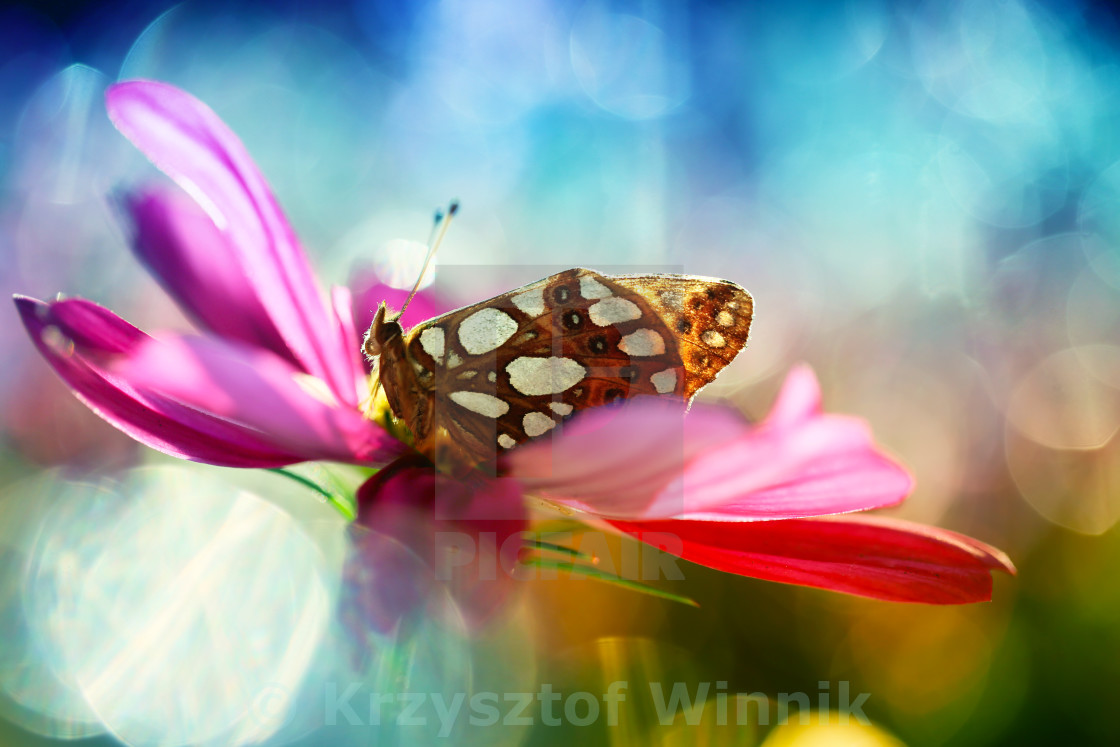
(174, 604)
(627, 65)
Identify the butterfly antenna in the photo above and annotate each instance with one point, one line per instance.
(439, 230)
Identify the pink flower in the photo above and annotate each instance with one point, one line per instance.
(768, 501)
(275, 377)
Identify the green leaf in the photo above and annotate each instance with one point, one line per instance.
(610, 578)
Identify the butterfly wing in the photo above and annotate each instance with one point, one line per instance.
(509, 369)
(710, 319)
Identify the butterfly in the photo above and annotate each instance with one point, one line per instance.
(480, 380)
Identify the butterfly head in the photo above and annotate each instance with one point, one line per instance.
(384, 328)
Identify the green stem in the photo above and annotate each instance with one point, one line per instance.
(340, 505)
(561, 549)
(596, 574)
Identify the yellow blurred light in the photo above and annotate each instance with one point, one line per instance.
(921, 660)
(830, 733)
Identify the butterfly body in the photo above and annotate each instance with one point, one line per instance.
(477, 381)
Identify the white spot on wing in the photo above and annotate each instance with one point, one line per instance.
(432, 341)
(485, 330)
(536, 423)
(483, 404)
(563, 409)
(531, 302)
(453, 359)
(589, 287)
(725, 319)
(673, 299)
(534, 376)
(491, 376)
(713, 339)
(506, 442)
(642, 342)
(664, 381)
(613, 310)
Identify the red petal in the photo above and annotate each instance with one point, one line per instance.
(869, 556)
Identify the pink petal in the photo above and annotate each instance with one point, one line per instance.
(869, 556)
(183, 249)
(195, 398)
(185, 139)
(467, 533)
(616, 461)
(370, 292)
(798, 401)
(824, 465)
(84, 322)
(78, 337)
(258, 390)
(642, 461)
(342, 306)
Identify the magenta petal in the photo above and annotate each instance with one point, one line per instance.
(257, 390)
(185, 139)
(643, 462)
(466, 532)
(798, 463)
(78, 338)
(799, 399)
(84, 323)
(869, 556)
(189, 256)
(370, 293)
(617, 461)
(824, 465)
(342, 306)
